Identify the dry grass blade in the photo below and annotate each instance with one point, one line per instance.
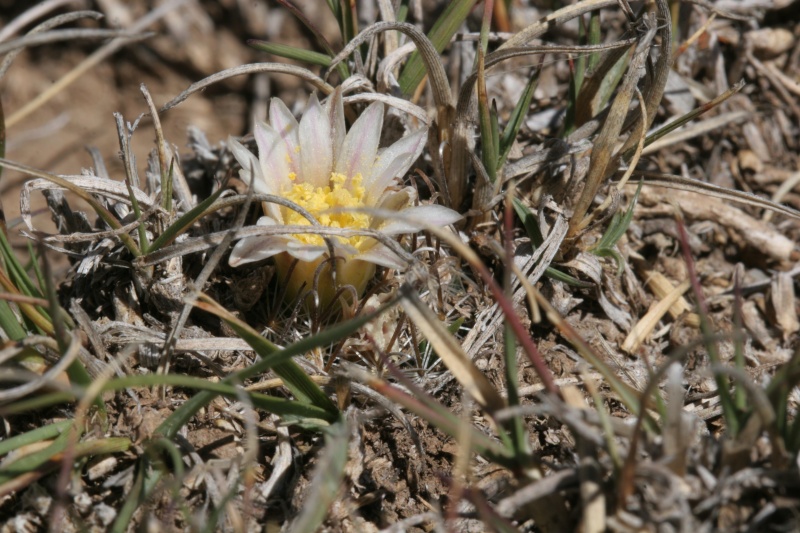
(35, 12)
(166, 159)
(448, 349)
(531, 164)
(784, 302)
(602, 152)
(507, 53)
(661, 287)
(255, 68)
(199, 244)
(433, 63)
(648, 322)
(761, 236)
(681, 183)
(555, 19)
(402, 105)
(56, 36)
(94, 59)
(66, 18)
(106, 186)
(654, 90)
(696, 130)
(783, 189)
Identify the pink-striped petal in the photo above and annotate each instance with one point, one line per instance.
(274, 157)
(282, 121)
(361, 143)
(316, 153)
(392, 162)
(335, 110)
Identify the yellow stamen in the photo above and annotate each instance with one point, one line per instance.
(320, 200)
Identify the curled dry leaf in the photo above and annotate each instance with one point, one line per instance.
(763, 237)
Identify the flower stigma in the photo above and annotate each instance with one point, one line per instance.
(322, 203)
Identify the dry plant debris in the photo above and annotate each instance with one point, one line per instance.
(534, 268)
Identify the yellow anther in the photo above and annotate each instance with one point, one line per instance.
(319, 201)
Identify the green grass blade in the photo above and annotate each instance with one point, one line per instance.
(516, 120)
(30, 312)
(729, 411)
(144, 484)
(516, 424)
(39, 434)
(184, 222)
(344, 72)
(529, 222)
(295, 379)
(37, 402)
(291, 52)
(348, 20)
(691, 115)
(167, 187)
(594, 38)
(137, 212)
(17, 272)
(487, 126)
(47, 459)
(32, 461)
(9, 322)
(290, 409)
(185, 412)
(443, 30)
(616, 229)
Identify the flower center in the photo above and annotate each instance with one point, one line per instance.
(319, 201)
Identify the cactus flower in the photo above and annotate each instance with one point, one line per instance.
(336, 176)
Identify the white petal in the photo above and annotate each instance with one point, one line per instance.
(361, 143)
(282, 121)
(394, 201)
(305, 252)
(316, 156)
(393, 162)
(274, 157)
(249, 164)
(432, 215)
(252, 249)
(335, 110)
(382, 255)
